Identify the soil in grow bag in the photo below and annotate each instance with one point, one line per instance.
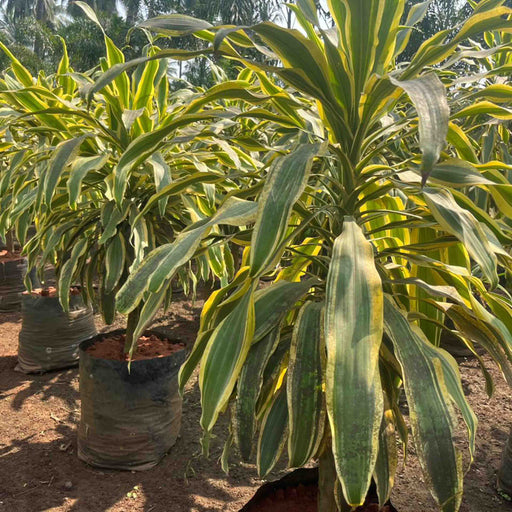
(130, 418)
(49, 337)
(298, 492)
(148, 347)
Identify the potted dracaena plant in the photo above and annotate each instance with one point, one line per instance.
(372, 244)
(13, 266)
(49, 336)
(129, 166)
(488, 146)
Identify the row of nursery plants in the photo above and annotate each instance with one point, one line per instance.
(354, 210)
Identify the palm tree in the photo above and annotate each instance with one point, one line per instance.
(45, 15)
(44, 11)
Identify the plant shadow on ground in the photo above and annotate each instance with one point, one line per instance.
(41, 472)
(39, 415)
(40, 469)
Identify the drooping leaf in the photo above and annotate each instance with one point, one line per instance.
(273, 433)
(275, 301)
(163, 262)
(432, 415)
(62, 156)
(175, 24)
(80, 167)
(461, 223)
(428, 95)
(114, 262)
(224, 357)
(304, 385)
(353, 333)
(67, 272)
(281, 190)
(248, 388)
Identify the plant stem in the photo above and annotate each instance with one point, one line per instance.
(9, 241)
(131, 324)
(326, 481)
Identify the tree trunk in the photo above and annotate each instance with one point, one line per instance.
(505, 470)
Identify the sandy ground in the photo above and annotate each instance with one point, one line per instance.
(39, 470)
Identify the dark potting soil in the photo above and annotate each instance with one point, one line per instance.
(300, 499)
(148, 347)
(9, 256)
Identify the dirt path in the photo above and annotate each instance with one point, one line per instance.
(39, 470)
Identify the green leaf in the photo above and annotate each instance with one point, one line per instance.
(461, 223)
(89, 12)
(428, 95)
(308, 8)
(275, 301)
(361, 30)
(113, 72)
(273, 433)
(432, 416)
(175, 24)
(298, 53)
(161, 264)
(193, 359)
(114, 262)
(304, 385)
(145, 145)
(147, 313)
(21, 73)
(248, 389)
(387, 458)
(68, 269)
(223, 359)
(458, 173)
(80, 167)
(353, 332)
(163, 177)
(481, 333)
(63, 154)
(282, 189)
(111, 217)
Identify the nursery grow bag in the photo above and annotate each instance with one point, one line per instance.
(12, 274)
(504, 483)
(129, 419)
(298, 492)
(49, 337)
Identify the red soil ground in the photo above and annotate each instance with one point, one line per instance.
(39, 469)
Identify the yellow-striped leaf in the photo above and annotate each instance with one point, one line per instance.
(304, 385)
(273, 433)
(248, 389)
(353, 332)
(281, 190)
(224, 357)
(461, 223)
(432, 416)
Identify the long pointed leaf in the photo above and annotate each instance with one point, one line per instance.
(353, 333)
(304, 385)
(432, 416)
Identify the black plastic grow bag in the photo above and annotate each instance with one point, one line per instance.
(49, 337)
(306, 477)
(129, 420)
(12, 274)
